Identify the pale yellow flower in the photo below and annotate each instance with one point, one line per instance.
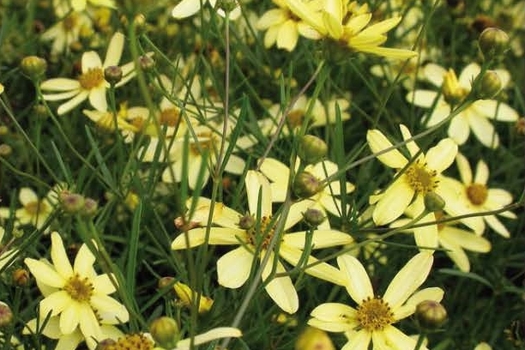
(422, 176)
(253, 232)
(76, 294)
(483, 346)
(80, 5)
(283, 27)
(373, 319)
(187, 297)
(187, 8)
(475, 117)
(34, 211)
(349, 23)
(91, 84)
(472, 195)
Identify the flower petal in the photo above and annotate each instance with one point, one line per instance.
(377, 143)
(90, 60)
(186, 8)
(217, 235)
(393, 202)
(216, 333)
(358, 341)
(442, 155)
(459, 129)
(234, 267)
(280, 289)
(60, 84)
(484, 131)
(357, 283)
(109, 311)
(257, 185)
(59, 256)
(84, 262)
(320, 239)
(115, 47)
(334, 312)
(44, 273)
(433, 293)
(54, 303)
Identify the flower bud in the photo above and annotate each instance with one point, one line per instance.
(493, 42)
(306, 185)
(165, 332)
(71, 203)
(314, 217)
(21, 277)
(285, 319)
(33, 67)
(227, 5)
(311, 149)
(139, 21)
(5, 150)
(4, 130)
(489, 85)
(187, 297)
(90, 207)
(434, 202)
(113, 74)
(314, 339)
(246, 222)
(430, 314)
(6, 315)
(40, 111)
(520, 126)
(1, 89)
(165, 282)
(147, 63)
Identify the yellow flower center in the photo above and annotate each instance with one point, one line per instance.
(78, 288)
(70, 22)
(262, 233)
(374, 314)
(169, 117)
(35, 207)
(295, 118)
(477, 193)
(91, 79)
(132, 341)
(206, 143)
(421, 179)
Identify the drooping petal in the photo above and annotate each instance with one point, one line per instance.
(377, 143)
(427, 236)
(455, 252)
(70, 317)
(59, 256)
(496, 110)
(74, 102)
(186, 8)
(465, 239)
(408, 279)
(497, 226)
(97, 98)
(280, 289)
(234, 267)
(271, 18)
(88, 323)
(392, 338)
(217, 235)
(358, 283)
(288, 35)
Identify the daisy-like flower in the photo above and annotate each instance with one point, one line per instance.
(475, 117)
(422, 176)
(373, 319)
(91, 84)
(283, 27)
(325, 200)
(453, 239)
(76, 294)
(35, 211)
(105, 121)
(253, 232)
(347, 23)
(187, 8)
(476, 197)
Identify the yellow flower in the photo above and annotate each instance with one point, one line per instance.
(76, 294)
(80, 5)
(35, 211)
(186, 296)
(91, 84)
(421, 177)
(253, 232)
(472, 195)
(187, 8)
(283, 27)
(373, 319)
(475, 117)
(347, 23)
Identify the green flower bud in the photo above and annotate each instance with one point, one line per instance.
(33, 67)
(306, 185)
(40, 111)
(5, 150)
(490, 85)
(311, 149)
(246, 222)
(493, 42)
(314, 217)
(165, 282)
(165, 331)
(113, 74)
(71, 203)
(434, 202)
(6, 315)
(146, 63)
(90, 207)
(430, 314)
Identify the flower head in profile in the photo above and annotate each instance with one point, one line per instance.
(476, 197)
(254, 232)
(187, 8)
(422, 175)
(349, 23)
(476, 117)
(373, 318)
(34, 211)
(90, 84)
(75, 294)
(283, 27)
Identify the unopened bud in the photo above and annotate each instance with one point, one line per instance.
(430, 314)
(5, 150)
(113, 74)
(246, 222)
(146, 63)
(4, 130)
(139, 21)
(314, 339)
(165, 332)
(493, 42)
(90, 207)
(21, 277)
(311, 149)
(227, 5)
(187, 297)
(6, 315)
(165, 282)
(40, 111)
(490, 85)
(33, 67)
(306, 185)
(314, 217)
(434, 202)
(71, 203)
